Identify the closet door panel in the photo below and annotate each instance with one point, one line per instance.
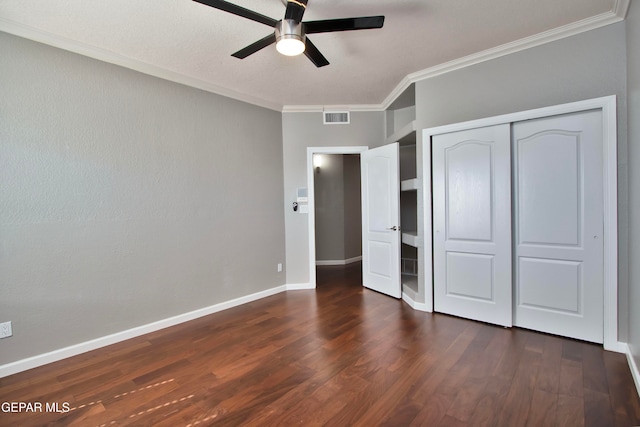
(472, 224)
(469, 214)
(549, 188)
(559, 225)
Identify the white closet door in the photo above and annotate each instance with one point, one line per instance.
(559, 225)
(472, 224)
(381, 220)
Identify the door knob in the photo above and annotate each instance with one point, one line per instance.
(394, 228)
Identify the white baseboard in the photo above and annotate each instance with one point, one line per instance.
(299, 286)
(63, 353)
(420, 306)
(635, 373)
(616, 346)
(340, 261)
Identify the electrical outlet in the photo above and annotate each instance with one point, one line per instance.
(5, 330)
(279, 268)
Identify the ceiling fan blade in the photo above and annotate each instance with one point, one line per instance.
(295, 10)
(240, 11)
(254, 47)
(344, 24)
(312, 52)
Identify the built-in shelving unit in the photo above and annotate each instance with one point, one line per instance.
(410, 184)
(405, 135)
(401, 128)
(411, 238)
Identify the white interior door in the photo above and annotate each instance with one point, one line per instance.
(381, 220)
(559, 225)
(472, 224)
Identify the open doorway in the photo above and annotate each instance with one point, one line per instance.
(336, 240)
(338, 214)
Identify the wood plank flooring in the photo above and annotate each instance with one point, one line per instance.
(338, 356)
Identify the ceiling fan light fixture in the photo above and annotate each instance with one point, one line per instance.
(290, 46)
(289, 37)
(290, 33)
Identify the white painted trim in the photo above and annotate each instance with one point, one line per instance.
(321, 108)
(621, 8)
(635, 373)
(299, 286)
(610, 195)
(419, 306)
(340, 261)
(606, 103)
(311, 199)
(618, 347)
(400, 88)
(63, 353)
(610, 176)
(549, 36)
(104, 55)
(616, 15)
(330, 262)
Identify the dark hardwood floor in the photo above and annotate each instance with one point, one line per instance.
(338, 356)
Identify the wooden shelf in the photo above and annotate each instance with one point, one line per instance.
(406, 135)
(409, 184)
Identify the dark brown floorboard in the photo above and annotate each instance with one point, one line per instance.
(341, 355)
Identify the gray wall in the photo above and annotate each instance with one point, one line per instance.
(330, 214)
(633, 86)
(352, 207)
(337, 207)
(126, 199)
(302, 130)
(584, 66)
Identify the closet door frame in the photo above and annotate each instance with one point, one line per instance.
(607, 105)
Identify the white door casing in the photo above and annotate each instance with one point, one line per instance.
(472, 224)
(311, 223)
(381, 220)
(558, 219)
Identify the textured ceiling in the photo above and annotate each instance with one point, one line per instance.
(191, 42)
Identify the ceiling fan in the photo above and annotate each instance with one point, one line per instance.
(290, 33)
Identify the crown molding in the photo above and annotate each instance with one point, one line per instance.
(304, 108)
(588, 24)
(617, 14)
(320, 108)
(104, 55)
(621, 8)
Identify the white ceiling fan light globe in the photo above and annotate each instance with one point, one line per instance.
(290, 46)
(289, 37)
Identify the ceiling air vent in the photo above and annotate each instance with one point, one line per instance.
(336, 118)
